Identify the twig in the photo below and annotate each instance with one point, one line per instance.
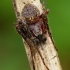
(43, 56)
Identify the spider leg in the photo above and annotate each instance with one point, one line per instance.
(23, 29)
(18, 28)
(44, 3)
(45, 19)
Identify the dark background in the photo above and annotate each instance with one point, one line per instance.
(12, 52)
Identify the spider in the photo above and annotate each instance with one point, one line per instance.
(32, 24)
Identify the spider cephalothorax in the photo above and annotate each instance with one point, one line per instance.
(32, 24)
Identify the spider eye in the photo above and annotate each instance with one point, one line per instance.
(31, 18)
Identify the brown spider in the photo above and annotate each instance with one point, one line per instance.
(32, 25)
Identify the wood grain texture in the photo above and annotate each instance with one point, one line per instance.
(43, 56)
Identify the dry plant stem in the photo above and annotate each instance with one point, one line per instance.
(43, 56)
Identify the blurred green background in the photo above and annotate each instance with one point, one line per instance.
(12, 52)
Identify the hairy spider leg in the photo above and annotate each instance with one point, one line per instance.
(44, 3)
